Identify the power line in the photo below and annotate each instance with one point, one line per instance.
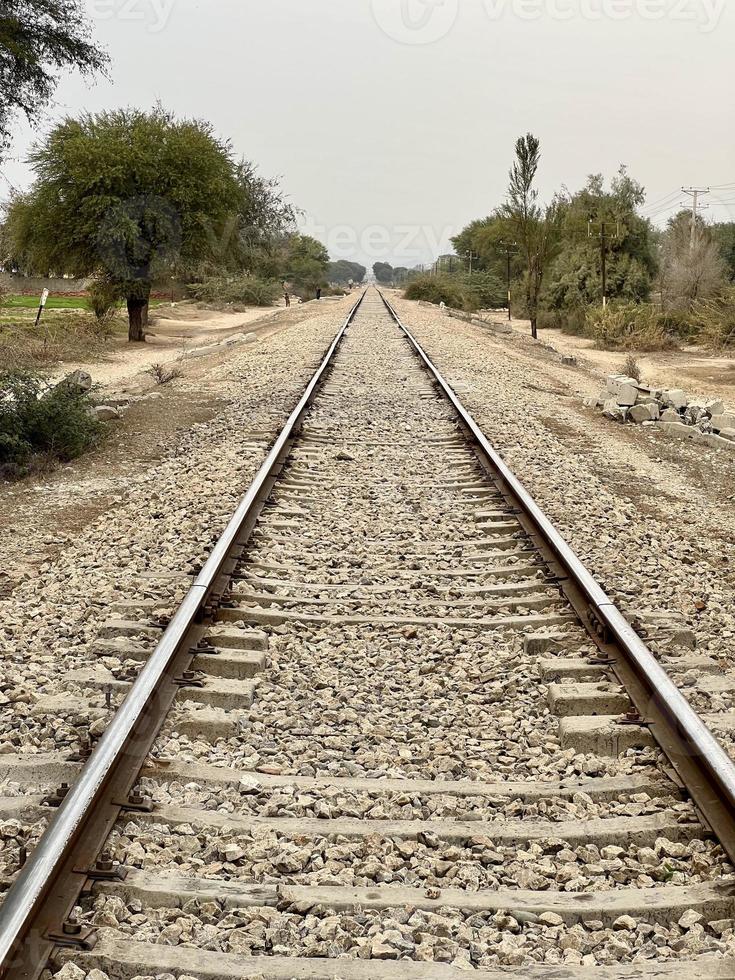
(652, 205)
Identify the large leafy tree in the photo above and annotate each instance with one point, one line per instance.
(631, 263)
(39, 39)
(536, 230)
(342, 271)
(129, 196)
(487, 239)
(305, 262)
(383, 272)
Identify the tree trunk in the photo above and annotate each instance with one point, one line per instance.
(534, 331)
(136, 324)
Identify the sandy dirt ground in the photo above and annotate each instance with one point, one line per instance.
(699, 372)
(40, 516)
(174, 334)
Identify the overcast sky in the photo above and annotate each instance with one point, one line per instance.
(392, 122)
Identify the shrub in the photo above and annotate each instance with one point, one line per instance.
(38, 426)
(572, 321)
(163, 375)
(716, 320)
(679, 323)
(247, 290)
(628, 326)
(490, 291)
(103, 299)
(443, 289)
(632, 369)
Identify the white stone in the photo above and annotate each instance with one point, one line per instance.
(675, 398)
(624, 390)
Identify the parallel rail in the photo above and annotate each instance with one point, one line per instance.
(705, 769)
(35, 909)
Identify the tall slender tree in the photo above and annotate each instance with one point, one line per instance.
(535, 229)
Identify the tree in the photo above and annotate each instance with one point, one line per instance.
(691, 270)
(342, 272)
(575, 278)
(128, 196)
(724, 235)
(486, 239)
(39, 38)
(306, 262)
(536, 230)
(383, 273)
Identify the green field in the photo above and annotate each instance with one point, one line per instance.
(52, 303)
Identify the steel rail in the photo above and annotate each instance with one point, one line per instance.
(706, 770)
(22, 947)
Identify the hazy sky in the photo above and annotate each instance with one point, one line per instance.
(392, 122)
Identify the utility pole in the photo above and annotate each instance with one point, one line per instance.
(603, 256)
(695, 193)
(603, 246)
(508, 253)
(471, 255)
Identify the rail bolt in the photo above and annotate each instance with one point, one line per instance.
(104, 862)
(71, 928)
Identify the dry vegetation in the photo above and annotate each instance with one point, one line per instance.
(61, 336)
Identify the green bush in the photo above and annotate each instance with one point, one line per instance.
(443, 289)
(103, 299)
(40, 427)
(572, 321)
(245, 290)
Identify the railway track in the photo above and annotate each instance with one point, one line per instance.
(393, 730)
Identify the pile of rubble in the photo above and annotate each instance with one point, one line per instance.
(627, 400)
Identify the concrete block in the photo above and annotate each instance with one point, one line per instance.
(624, 390)
(675, 398)
(570, 700)
(714, 407)
(569, 360)
(723, 420)
(679, 429)
(612, 410)
(720, 442)
(670, 415)
(643, 413)
(602, 735)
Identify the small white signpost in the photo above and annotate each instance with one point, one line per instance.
(41, 305)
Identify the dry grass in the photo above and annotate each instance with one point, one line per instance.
(629, 327)
(163, 375)
(61, 336)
